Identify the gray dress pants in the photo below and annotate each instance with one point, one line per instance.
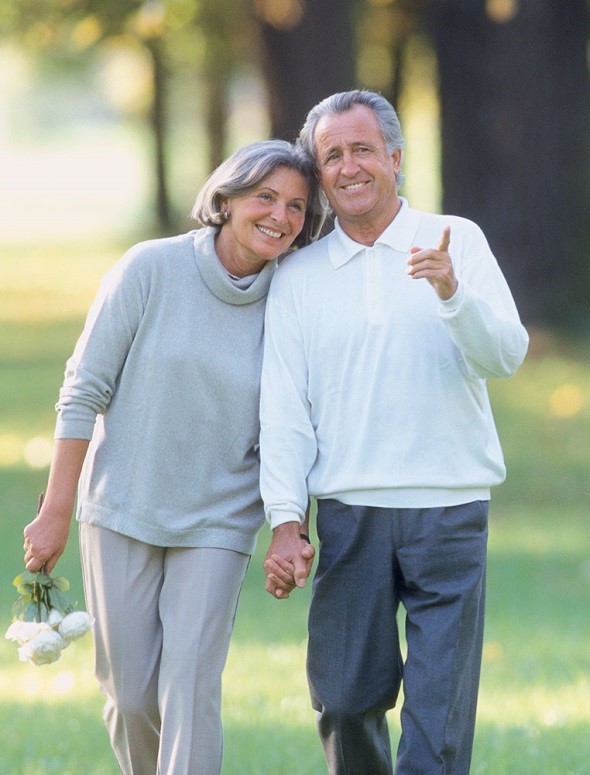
(433, 562)
(164, 617)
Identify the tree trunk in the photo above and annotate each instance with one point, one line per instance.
(306, 62)
(515, 117)
(217, 97)
(158, 124)
(217, 20)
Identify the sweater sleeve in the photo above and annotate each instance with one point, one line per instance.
(91, 372)
(481, 317)
(288, 445)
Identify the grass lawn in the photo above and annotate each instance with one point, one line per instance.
(534, 710)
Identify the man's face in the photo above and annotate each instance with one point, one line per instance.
(357, 171)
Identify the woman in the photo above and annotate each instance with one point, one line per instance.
(158, 429)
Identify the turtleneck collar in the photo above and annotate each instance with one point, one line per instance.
(215, 276)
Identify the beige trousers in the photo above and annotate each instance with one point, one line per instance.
(164, 617)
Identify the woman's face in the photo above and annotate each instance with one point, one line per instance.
(263, 223)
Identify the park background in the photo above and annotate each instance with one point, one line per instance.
(111, 116)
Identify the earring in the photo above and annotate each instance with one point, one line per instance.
(225, 215)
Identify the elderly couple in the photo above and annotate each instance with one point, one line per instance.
(378, 340)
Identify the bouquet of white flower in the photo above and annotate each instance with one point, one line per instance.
(44, 621)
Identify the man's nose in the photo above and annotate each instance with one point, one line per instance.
(349, 164)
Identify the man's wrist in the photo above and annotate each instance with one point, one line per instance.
(277, 518)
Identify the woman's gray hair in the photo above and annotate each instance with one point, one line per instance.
(246, 169)
(345, 101)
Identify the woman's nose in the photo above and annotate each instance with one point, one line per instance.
(279, 212)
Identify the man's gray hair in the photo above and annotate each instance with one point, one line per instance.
(345, 101)
(246, 169)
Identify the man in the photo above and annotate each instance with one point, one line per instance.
(379, 340)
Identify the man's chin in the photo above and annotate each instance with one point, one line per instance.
(351, 210)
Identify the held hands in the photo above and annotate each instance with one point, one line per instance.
(435, 266)
(288, 561)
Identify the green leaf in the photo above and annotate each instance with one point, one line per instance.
(19, 608)
(43, 579)
(32, 613)
(26, 577)
(60, 601)
(61, 583)
(26, 590)
(25, 583)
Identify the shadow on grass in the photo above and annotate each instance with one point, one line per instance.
(69, 739)
(277, 749)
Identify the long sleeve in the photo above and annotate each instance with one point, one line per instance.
(94, 367)
(481, 317)
(287, 456)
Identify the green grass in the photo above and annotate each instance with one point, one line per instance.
(534, 709)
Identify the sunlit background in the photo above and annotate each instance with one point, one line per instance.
(77, 187)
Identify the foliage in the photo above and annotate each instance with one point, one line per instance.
(206, 38)
(500, 64)
(39, 593)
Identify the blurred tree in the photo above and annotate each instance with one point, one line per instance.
(384, 28)
(174, 33)
(226, 31)
(515, 116)
(514, 96)
(307, 53)
(68, 31)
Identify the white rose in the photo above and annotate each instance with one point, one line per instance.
(22, 632)
(75, 625)
(43, 649)
(54, 617)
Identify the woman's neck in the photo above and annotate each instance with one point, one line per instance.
(236, 265)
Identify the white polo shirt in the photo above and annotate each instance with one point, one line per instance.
(373, 390)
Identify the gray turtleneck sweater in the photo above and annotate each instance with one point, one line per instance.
(164, 380)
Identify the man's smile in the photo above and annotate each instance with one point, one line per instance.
(354, 186)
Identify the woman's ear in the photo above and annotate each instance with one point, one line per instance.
(224, 208)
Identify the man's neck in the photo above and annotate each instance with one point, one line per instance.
(364, 230)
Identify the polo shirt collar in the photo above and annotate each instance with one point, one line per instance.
(399, 236)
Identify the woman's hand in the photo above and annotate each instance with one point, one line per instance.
(288, 561)
(45, 539)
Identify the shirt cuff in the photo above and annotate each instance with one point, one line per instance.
(74, 428)
(448, 307)
(277, 517)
